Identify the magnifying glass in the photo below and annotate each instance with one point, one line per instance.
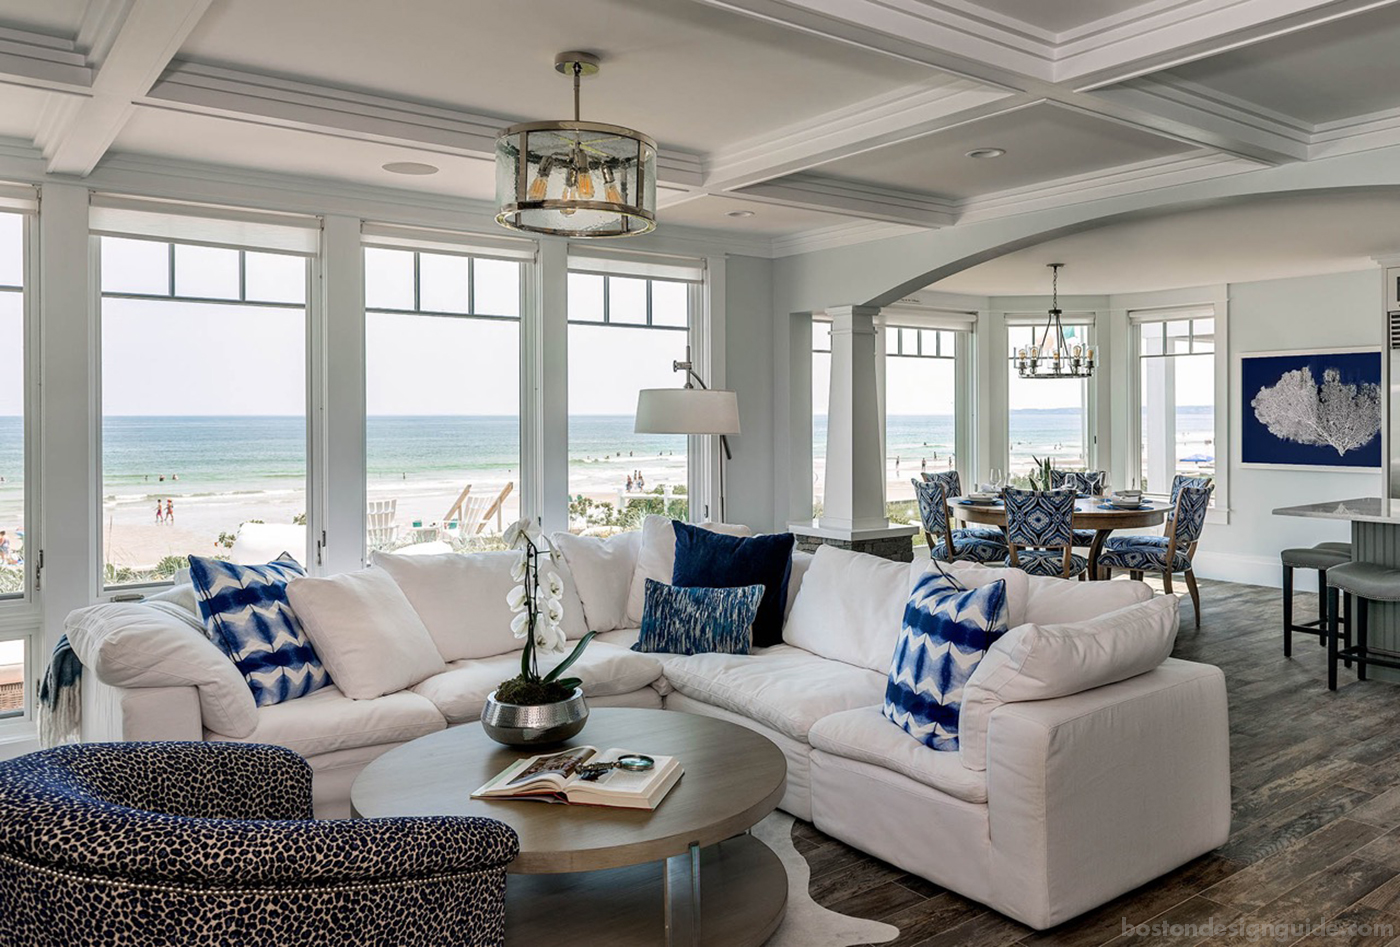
(628, 762)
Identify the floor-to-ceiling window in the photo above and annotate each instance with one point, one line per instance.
(624, 334)
(204, 394)
(16, 642)
(920, 411)
(1047, 417)
(1176, 392)
(442, 397)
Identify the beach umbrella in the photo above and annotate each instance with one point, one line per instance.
(1197, 459)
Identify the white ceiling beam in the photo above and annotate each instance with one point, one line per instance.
(898, 116)
(889, 205)
(145, 40)
(43, 62)
(288, 103)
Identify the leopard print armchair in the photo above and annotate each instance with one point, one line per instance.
(213, 844)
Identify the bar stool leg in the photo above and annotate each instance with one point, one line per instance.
(1362, 608)
(1287, 611)
(1322, 605)
(1332, 639)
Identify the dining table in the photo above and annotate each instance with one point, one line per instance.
(1090, 512)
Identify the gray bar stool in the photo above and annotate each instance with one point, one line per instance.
(1321, 557)
(1366, 582)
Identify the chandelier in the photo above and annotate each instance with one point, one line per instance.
(1054, 357)
(576, 179)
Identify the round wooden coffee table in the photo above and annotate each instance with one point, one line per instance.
(589, 875)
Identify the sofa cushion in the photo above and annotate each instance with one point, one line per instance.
(462, 599)
(1040, 662)
(698, 621)
(461, 690)
(784, 688)
(247, 615)
(328, 720)
(850, 608)
(866, 736)
(365, 631)
(705, 559)
(1053, 601)
(602, 570)
(656, 558)
(947, 630)
(140, 644)
(801, 562)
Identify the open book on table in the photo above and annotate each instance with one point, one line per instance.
(556, 777)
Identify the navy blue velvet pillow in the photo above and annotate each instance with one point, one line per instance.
(714, 561)
(698, 621)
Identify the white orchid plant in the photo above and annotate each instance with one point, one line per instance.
(538, 604)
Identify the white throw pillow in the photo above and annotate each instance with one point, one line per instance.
(602, 570)
(1054, 601)
(850, 608)
(1040, 662)
(365, 632)
(801, 562)
(140, 644)
(462, 599)
(656, 559)
(975, 575)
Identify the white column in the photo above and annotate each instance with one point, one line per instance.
(854, 497)
(339, 424)
(71, 406)
(792, 416)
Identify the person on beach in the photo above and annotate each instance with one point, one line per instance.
(923, 463)
(160, 512)
(170, 511)
(629, 484)
(5, 556)
(162, 478)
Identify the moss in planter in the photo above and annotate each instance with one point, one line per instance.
(531, 693)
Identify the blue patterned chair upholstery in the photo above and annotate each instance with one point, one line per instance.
(1166, 554)
(1080, 481)
(1040, 531)
(176, 844)
(976, 543)
(985, 535)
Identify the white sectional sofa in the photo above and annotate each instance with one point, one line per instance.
(1052, 807)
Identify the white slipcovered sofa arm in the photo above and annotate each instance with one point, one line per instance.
(118, 714)
(1093, 794)
(134, 645)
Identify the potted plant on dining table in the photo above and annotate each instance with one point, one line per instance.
(535, 708)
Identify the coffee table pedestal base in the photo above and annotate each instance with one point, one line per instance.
(743, 890)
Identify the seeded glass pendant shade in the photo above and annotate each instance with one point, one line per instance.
(576, 178)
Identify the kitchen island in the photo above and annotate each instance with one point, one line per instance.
(1375, 537)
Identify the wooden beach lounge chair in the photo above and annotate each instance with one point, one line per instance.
(380, 528)
(472, 513)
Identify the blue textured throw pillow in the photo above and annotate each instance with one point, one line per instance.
(698, 621)
(247, 615)
(947, 630)
(716, 561)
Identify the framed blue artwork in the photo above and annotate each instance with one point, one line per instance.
(1320, 409)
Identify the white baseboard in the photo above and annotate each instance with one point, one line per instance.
(1251, 570)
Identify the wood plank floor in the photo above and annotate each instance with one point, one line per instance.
(1316, 802)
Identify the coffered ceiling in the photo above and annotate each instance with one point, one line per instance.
(828, 122)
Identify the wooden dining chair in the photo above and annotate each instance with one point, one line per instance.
(1167, 554)
(975, 544)
(1040, 533)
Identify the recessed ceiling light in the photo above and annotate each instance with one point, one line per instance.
(986, 152)
(739, 213)
(410, 167)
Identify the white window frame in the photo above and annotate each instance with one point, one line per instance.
(1169, 308)
(1015, 321)
(313, 333)
(20, 616)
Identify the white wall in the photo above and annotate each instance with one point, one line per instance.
(1310, 312)
(749, 371)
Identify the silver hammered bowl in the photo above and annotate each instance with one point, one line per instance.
(534, 724)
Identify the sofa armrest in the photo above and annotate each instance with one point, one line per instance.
(1094, 794)
(141, 645)
(115, 714)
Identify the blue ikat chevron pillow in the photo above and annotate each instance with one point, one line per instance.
(680, 620)
(247, 615)
(947, 630)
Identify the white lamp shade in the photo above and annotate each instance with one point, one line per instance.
(687, 411)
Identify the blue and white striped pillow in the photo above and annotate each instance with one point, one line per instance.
(247, 615)
(679, 620)
(947, 630)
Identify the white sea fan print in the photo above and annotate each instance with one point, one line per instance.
(1341, 416)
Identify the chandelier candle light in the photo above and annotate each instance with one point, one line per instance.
(576, 178)
(1054, 357)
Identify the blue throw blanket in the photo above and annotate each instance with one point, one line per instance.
(60, 698)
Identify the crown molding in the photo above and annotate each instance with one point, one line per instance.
(855, 199)
(40, 61)
(838, 235)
